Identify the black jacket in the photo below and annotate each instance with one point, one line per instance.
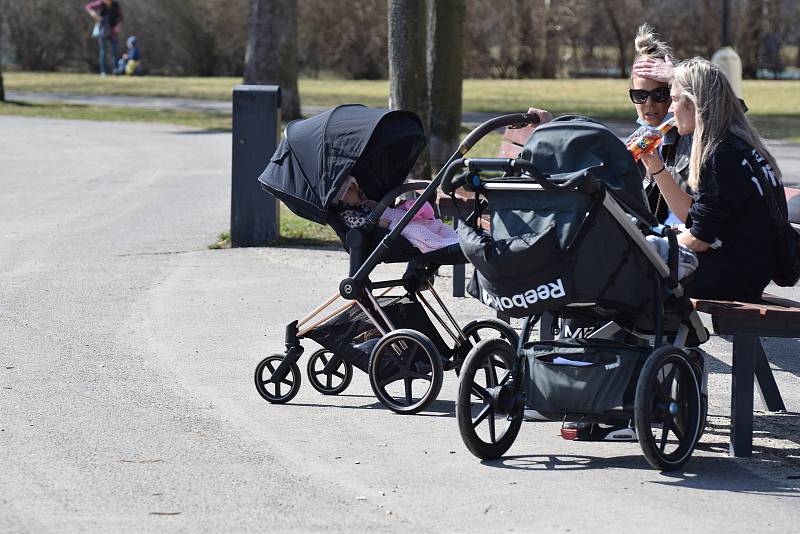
(731, 207)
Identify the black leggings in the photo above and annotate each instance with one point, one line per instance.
(721, 279)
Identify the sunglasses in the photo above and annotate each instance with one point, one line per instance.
(640, 96)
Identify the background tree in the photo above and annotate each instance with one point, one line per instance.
(408, 80)
(271, 55)
(343, 38)
(2, 21)
(445, 75)
(348, 39)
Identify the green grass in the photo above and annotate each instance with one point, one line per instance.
(295, 232)
(205, 120)
(773, 104)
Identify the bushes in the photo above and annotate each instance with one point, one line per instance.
(348, 38)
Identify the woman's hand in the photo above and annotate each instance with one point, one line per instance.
(652, 162)
(653, 68)
(544, 116)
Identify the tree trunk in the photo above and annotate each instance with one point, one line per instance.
(751, 60)
(552, 41)
(445, 75)
(2, 21)
(408, 80)
(271, 55)
(622, 43)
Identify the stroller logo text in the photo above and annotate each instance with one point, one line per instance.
(549, 290)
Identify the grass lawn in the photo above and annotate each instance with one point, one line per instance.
(205, 120)
(773, 105)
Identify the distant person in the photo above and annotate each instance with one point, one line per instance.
(131, 62)
(108, 16)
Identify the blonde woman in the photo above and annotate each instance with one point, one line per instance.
(728, 222)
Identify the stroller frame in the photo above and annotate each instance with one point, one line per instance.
(669, 396)
(400, 355)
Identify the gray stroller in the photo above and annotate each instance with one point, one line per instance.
(566, 237)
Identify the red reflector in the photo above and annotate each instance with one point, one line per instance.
(569, 433)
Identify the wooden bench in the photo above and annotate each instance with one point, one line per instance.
(747, 323)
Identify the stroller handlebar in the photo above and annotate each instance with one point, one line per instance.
(513, 119)
(586, 182)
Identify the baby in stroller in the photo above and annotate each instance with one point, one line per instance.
(424, 231)
(347, 168)
(574, 245)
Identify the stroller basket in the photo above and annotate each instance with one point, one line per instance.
(580, 376)
(351, 335)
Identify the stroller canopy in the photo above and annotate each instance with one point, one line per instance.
(571, 143)
(376, 146)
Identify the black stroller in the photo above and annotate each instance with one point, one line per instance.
(574, 246)
(388, 335)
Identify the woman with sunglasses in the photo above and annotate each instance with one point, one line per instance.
(650, 93)
(729, 221)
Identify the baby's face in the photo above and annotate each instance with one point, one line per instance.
(354, 195)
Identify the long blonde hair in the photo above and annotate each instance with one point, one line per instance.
(717, 112)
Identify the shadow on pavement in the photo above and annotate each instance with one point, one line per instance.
(705, 473)
(438, 408)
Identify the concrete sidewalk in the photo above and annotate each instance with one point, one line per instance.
(126, 392)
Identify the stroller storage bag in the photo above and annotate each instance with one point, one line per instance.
(349, 334)
(582, 376)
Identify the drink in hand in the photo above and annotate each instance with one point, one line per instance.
(649, 141)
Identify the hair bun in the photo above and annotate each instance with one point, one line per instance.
(647, 45)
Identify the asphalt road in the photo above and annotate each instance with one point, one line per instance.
(126, 396)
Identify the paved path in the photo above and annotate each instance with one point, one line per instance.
(126, 396)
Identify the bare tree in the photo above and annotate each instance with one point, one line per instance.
(445, 75)
(2, 21)
(623, 40)
(271, 56)
(345, 38)
(408, 80)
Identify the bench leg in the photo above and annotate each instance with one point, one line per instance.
(744, 352)
(770, 394)
(459, 274)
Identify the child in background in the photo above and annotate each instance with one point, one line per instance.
(130, 63)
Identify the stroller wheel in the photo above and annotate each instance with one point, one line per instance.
(335, 380)
(668, 408)
(275, 389)
(698, 364)
(405, 371)
(479, 330)
(489, 416)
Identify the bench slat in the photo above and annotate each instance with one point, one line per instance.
(770, 307)
(519, 136)
(509, 150)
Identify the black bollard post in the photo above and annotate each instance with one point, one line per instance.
(256, 130)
